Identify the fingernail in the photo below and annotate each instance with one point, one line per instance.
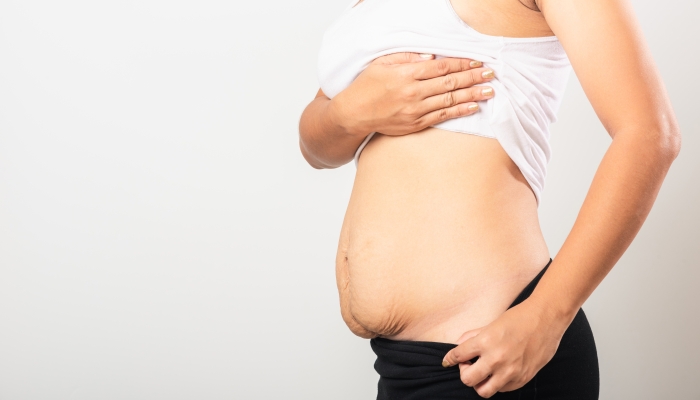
(425, 55)
(487, 74)
(471, 107)
(487, 92)
(475, 64)
(445, 364)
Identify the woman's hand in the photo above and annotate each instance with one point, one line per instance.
(396, 94)
(511, 349)
(404, 93)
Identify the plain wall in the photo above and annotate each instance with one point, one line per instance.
(161, 236)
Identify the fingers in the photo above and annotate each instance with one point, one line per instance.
(402, 58)
(491, 385)
(454, 81)
(462, 353)
(482, 378)
(451, 99)
(435, 117)
(474, 374)
(459, 103)
(444, 66)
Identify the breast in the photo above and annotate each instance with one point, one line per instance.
(441, 233)
(376, 28)
(531, 73)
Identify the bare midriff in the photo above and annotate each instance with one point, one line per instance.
(440, 236)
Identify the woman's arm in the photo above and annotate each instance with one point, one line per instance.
(630, 99)
(616, 70)
(397, 94)
(323, 139)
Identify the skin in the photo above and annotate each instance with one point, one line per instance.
(393, 232)
(397, 94)
(629, 97)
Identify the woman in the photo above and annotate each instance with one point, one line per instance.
(445, 106)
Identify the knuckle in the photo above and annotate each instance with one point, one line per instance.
(485, 341)
(443, 115)
(442, 66)
(498, 357)
(485, 393)
(408, 92)
(449, 99)
(473, 77)
(417, 124)
(414, 73)
(405, 71)
(491, 365)
(409, 111)
(449, 82)
(470, 94)
(455, 354)
(511, 373)
(464, 377)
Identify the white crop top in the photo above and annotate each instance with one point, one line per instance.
(531, 73)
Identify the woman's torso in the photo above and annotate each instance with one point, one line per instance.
(441, 231)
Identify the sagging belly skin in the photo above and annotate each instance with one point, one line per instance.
(440, 235)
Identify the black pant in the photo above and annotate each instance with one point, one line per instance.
(411, 370)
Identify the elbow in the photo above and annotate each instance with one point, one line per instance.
(310, 159)
(319, 159)
(658, 139)
(665, 146)
(674, 143)
(669, 140)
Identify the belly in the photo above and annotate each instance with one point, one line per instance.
(440, 235)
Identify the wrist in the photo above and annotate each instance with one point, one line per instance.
(339, 118)
(554, 311)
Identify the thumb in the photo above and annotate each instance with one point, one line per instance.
(468, 335)
(402, 58)
(467, 351)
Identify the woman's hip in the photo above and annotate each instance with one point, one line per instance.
(412, 370)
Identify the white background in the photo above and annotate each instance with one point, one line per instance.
(161, 236)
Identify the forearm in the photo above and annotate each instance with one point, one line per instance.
(619, 200)
(324, 142)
